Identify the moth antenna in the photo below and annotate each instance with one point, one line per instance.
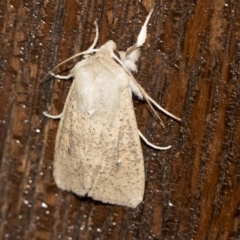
(96, 37)
(68, 59)
(88, 51)
(145, 95)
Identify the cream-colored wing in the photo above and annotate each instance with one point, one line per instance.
(98, 150)
(69, 150)
(121, 178)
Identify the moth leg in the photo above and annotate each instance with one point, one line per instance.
(140, 93)
(96, 37)
(70, 75)
(150, 144)
(163, 110)
(52, 116)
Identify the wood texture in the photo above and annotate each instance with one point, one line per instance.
(189, 64)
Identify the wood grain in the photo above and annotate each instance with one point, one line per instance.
(189, 64)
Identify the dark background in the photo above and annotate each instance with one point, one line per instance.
(189, 65)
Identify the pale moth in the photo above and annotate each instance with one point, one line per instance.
(98, 151)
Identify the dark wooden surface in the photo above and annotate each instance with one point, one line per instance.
(189, 64)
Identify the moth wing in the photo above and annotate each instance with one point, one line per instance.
(67, 155)
(100, 155)
(121, 178)
(78, 148)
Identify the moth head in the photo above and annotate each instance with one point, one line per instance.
(108, 48)
(127, 58)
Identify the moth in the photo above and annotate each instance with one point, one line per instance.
(98, 150)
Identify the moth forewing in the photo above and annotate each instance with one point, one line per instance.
(98, 150)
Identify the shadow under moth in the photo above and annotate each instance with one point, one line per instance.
(98, 151)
